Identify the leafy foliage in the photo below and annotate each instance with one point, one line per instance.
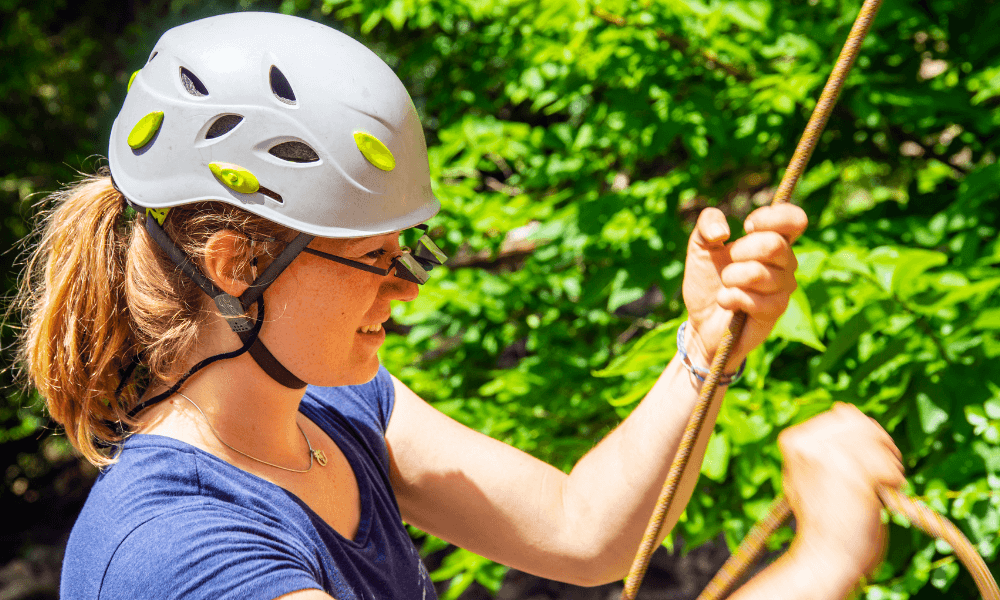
(572, 144)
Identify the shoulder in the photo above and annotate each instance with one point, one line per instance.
(210, 551)
(166, 507)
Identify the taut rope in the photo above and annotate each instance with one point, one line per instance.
(926, 519)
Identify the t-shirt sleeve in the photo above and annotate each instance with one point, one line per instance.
(209, 554)
(385, 393)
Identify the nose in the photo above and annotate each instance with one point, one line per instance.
(396, 288)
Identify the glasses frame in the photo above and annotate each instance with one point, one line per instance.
(411, 265)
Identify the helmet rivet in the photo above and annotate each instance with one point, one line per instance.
(375, 151)
(235, 177)
(145, 130)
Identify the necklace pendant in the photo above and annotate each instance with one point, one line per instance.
(320, 457)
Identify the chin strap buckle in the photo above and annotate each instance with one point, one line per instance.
(232, 311)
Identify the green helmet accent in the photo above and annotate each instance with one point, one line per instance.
(375, 151)
(235, 177)
(131, 79)
(160, 214)
(145, 129)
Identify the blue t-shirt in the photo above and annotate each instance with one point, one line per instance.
(171, 521)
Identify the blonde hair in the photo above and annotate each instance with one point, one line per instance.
(98, 293)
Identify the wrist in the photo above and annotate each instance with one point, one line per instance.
(708, 353)
(826, 573)
(698, 362)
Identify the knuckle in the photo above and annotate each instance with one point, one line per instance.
(790, 440)
(798, 218)
(785, 437)
(774, 244)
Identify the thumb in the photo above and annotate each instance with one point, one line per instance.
(712, 230)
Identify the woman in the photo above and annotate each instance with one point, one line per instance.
(246, 243)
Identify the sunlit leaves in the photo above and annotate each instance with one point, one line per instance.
(572, 143)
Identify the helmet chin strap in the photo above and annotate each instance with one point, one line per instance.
(234, 309)
(231, 308)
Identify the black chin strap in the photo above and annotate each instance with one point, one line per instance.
(231, 308)
(258, 323)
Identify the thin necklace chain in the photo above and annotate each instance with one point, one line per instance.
(317, 454)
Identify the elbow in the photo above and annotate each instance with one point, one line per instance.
(594, 555)
(596, 577)
(588, 577)
(608, 565)
(594, 568)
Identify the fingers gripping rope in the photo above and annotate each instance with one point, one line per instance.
(923, 517)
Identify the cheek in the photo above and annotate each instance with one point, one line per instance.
(312, 321)
(322, 300)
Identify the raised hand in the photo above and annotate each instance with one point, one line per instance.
(832, 465)
(755, 274)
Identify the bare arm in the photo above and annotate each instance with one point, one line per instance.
(306, 595)
(502, 503)
(585, 527)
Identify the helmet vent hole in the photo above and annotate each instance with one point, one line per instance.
(280, 86)
(298, 152)
(273, 195)
(222, 126)
(152, 56)
(192, 84)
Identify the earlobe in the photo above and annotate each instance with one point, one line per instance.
(227, 262)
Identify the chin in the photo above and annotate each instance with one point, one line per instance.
(356, 374)
(369, 372)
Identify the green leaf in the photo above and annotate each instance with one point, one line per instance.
(894, 265)
(849, 333)
(933, 173)
(976, 417)
(992, 407)
(745, 429)
(796, 324)
(988, 319)
(654, 349)
(990, 455)
(716, 457)
(622, 294)
(943, 576)
(932, 416)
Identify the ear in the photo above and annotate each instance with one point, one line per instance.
(227, 255)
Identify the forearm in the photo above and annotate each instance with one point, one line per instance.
(611, 492)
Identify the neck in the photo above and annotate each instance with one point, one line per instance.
(248, 410)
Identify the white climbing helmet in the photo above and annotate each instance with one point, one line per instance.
(282, 116)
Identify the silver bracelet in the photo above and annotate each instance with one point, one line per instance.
(702, 373)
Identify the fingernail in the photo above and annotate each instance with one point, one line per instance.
(717, 232)
(748, 227)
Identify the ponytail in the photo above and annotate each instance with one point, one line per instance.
(76, 333)
(98, 295)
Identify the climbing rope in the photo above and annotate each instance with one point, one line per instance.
(734, 569)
